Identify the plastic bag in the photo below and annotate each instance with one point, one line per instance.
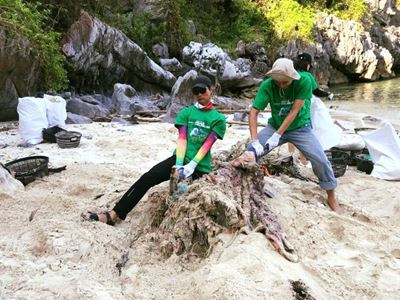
(384, 147)
(8, 184)
(327, 133)
(32, 119)
(56, 111)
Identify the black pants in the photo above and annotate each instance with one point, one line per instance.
(157, 174)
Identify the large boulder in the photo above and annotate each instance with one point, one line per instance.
(213, 61)
(19, 73)
(102, 55)
(352, 51)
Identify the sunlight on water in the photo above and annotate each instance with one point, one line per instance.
(379, 99)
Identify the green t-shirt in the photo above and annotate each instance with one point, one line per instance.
(281, 101)
(200, 123)
(314, 84)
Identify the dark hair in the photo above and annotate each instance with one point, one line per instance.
(302, 61)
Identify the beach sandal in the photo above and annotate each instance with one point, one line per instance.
(95, 217)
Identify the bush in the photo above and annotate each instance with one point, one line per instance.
(28, 20)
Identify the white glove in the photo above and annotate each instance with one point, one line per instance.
(273, 141)
(330, 96)
(257, 147)
(187, 169)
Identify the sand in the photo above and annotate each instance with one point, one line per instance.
(48, 252)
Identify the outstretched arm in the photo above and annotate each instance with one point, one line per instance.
(181, 145)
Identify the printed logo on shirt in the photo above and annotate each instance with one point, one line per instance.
(201, 124)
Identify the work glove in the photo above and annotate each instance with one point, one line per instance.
(258, 148)
(273, 141)
(187, 170)
(330, 96)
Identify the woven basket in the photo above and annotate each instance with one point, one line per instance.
(27, 169)
(339, 160)
(68, 139)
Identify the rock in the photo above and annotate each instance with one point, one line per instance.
(77, 119)
(19, 73)
(87, 106)
(160, 50)
(102, 55)
(122, 99)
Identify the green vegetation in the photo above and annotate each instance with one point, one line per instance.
(227, 23)
(224, 23)
(349, 9)
(29, 21)
(291, 20)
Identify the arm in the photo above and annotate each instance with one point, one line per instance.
(210, 140)
(253, 116)
(181, 145)
(320, 93)
(189, 168)
(297, 105)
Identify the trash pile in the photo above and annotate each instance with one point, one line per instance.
(231, 199)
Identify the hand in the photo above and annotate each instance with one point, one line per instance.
(187, 170)
(273, 141)
(258, 148)
(330, 96)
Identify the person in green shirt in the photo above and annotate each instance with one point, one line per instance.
(199, 126)
(303, 65)
(288, 93)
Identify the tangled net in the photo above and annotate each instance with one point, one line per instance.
(231, 199)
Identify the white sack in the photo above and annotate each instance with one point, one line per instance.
(327, 133)
(384, 147)
(351, 141)
(32, 119)
(56, 111)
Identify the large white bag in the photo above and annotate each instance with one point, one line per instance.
(56, 110)
(327, 133)
(384, 147)
(32, 119)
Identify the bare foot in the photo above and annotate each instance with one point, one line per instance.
(104, 217)
(333, 203)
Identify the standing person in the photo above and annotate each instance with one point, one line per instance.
(288, 93)
(199, 126)
(303, 64)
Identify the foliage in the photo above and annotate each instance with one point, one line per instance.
(28, 20)
(176, 30)
(349, 9)
(227, 23)
(291, 20)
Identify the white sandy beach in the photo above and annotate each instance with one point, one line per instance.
(56, 255)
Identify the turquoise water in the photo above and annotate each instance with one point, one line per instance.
(380, 99)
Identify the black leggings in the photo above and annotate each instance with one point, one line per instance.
(157, 174)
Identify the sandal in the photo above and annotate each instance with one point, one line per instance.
(95, 217)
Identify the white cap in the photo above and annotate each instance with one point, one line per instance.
(283, 70)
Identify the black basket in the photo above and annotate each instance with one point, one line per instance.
(49, 134)
(27, 169)
(68, 139)
(339, 160)
(364, 163)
